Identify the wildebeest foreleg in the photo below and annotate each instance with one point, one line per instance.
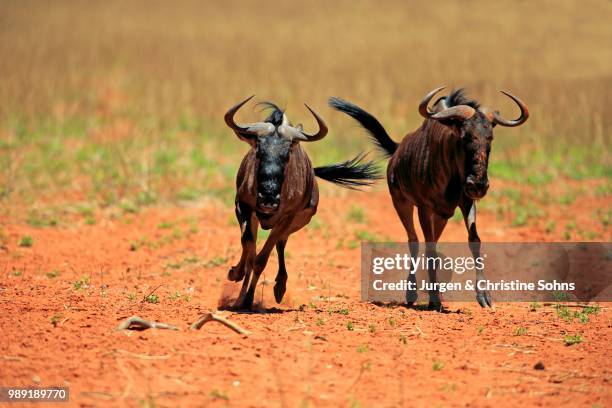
(281, 277)
(248, 228)
(261, 260)
(432, 225)
(468, 209)
(405, 210)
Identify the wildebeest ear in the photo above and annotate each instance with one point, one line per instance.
(300, 129)
(247, 137)
(490, 115)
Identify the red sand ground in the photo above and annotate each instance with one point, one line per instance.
(301, 353)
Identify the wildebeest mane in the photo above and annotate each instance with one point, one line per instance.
(276, 114)
(458, 97)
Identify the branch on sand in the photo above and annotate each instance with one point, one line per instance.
(211, 317)
(139, 324)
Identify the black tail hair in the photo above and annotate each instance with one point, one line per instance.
(377, 132)
(353, 173)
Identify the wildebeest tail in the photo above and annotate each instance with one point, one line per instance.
(353, 173)
(377, 132)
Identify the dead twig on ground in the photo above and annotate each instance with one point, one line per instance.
(299, 324)
(142, 356)
(99, 394)
(567, 304)
(138, 323)
(212, 317)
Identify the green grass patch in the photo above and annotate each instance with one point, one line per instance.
(26, 241)
(570, 340)
(82, 283)
(219, 395)
(363, 348)
(216, 261)
(356, 214)
(56, 318)
(262, 234)
(520, 331)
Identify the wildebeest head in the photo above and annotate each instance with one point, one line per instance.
(273, 141)
(474, 125)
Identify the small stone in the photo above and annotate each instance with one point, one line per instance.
(36, 379)
(539, 366)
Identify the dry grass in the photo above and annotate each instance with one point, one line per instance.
(113, 101)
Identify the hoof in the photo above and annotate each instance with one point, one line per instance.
(280, 287)
(436, 306)
(411, 297)
(435, 302)
(247, 303)
(236, 273)
(484, 298)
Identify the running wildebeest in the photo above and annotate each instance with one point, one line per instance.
(440, 166)
(277, 188)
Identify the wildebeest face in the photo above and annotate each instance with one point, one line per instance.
(273, 141)
(273, 153)
(475, 127)
(476, 138)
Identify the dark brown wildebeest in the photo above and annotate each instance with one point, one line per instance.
(277, 188)
(440, 166)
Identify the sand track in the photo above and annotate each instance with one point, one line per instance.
(321, 347)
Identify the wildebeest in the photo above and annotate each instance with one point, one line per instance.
(440, 166)
(277, 188)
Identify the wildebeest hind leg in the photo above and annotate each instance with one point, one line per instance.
(248, 228)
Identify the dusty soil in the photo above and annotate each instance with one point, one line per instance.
(321, 347)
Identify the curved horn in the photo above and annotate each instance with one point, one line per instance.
(322, 128)
(423, 105)
(297, 132)
(251, 129)
(516, 122)
(460, 112)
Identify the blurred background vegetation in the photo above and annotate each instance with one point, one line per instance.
(120, 103)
